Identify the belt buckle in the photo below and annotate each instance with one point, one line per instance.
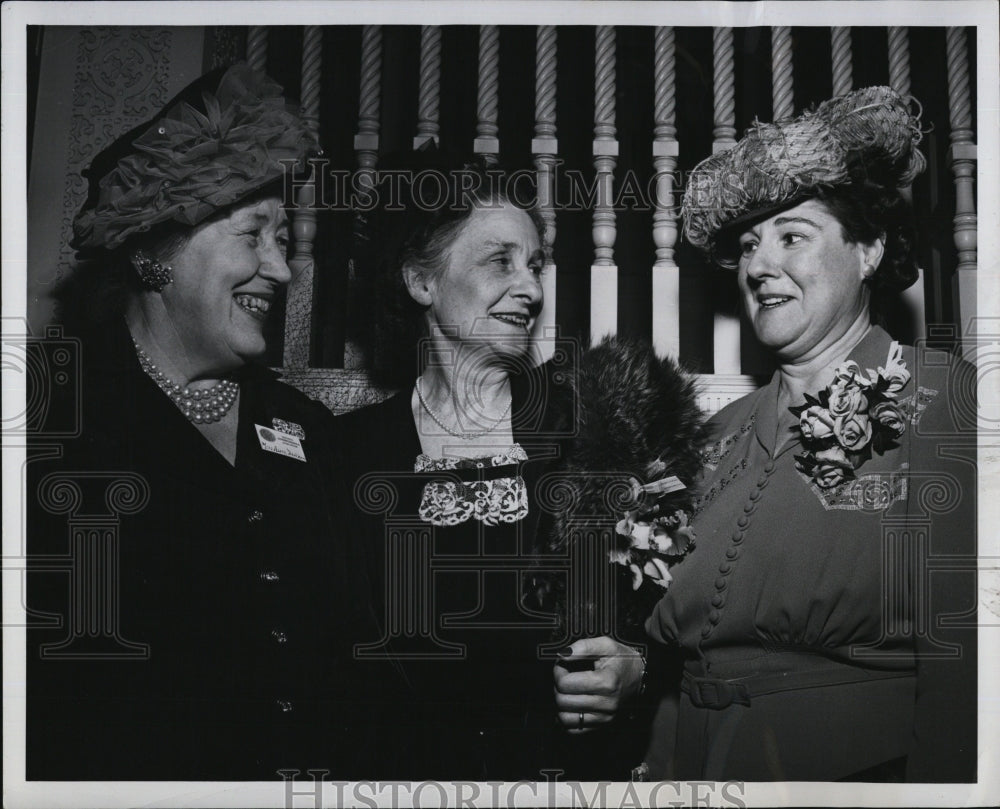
(717, 694)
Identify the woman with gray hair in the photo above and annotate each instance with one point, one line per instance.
(461, 447)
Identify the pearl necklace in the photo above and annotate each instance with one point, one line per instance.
(449, 430)
(198, 406)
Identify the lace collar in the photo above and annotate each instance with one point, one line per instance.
(491, 502)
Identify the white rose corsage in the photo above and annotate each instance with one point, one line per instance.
(655, 534)
(855, 415)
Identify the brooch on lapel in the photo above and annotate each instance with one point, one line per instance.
(289, 428)
(856, 414)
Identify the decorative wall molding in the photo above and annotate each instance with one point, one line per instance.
(715, 391)
(121, 79)
(340, 390)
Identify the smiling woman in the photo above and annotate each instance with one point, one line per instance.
(212, 641)
(805, 653)
(803, 283)
(224, 279)
(813, 646)
(461, 447)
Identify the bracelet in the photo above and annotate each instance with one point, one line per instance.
(642, 680)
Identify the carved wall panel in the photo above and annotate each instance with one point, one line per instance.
(120, 81)
(95, 84)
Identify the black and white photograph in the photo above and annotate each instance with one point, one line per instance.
(565, 404)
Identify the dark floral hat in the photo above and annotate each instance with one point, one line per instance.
(225, 136)
(868, 133)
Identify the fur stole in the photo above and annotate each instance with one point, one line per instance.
(635, 452)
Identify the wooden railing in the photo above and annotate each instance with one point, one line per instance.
(343, 389)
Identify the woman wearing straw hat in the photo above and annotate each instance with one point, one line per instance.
(816, 644)
(224, 650)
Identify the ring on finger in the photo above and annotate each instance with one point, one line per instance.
(580, 723)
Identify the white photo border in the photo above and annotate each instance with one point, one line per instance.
(16, 16)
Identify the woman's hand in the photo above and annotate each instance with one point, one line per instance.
(593, 678)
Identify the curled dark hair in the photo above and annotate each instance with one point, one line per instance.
(415, 216)
(868, 211)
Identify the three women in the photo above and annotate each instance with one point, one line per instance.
(780, 616)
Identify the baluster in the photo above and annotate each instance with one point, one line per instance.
(963, 164)
(726, 327)
(257, 47)
(899, 60)
(487, 144)
(724, 133)
(843, 80)
(299, 305)
(781, 73)
(366, 142)
(428, 103)
(312, 56)
(603, 272)
(899, 80)
(666, 275)
(545, 147)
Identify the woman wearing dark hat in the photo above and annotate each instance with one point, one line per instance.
(817, 643)
(207, 635)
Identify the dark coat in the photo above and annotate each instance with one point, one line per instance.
(225, 599)
(476, 702)
(584, 422)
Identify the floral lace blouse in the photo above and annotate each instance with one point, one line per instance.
(492, 501)
(446, 551)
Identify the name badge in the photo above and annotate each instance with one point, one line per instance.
(281, 443)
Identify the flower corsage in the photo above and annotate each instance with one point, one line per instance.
(856, 415)
(656, 532)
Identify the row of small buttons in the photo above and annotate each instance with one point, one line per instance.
(254, 518)
(733, 552)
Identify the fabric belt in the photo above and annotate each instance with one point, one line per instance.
(471, 474)
(717, 693)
